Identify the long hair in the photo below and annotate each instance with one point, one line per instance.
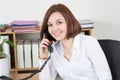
(73, 26)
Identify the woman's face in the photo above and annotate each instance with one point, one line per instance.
(57, 26)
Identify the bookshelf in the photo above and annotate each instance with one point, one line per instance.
(13, 51)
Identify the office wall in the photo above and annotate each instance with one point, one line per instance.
(104, 13)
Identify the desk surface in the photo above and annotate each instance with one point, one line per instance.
(19, 76)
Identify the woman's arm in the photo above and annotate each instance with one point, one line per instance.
(44, 74)
(48, 72)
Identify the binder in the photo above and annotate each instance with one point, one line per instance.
(35, 52)
(20, 54)
(27, 53)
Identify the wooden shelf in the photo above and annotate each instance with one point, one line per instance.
(26, 69)
(15, 76)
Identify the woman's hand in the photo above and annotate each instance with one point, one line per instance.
(44, 48)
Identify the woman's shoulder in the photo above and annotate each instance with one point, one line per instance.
(81, 40)
(84, 39)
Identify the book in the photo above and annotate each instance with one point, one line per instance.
(27, 53)
(35, 52)
(24, 29)
(86, 23)
(20, 54)
(18, 27)
(24, 23)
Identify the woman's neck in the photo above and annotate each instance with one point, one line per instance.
(67, 43)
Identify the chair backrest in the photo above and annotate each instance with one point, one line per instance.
(111, 49)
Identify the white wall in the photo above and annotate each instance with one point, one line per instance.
(104, 13)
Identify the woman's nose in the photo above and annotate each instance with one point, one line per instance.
(55, 27)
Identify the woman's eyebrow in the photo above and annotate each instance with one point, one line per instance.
(59, 19)
(56, 20)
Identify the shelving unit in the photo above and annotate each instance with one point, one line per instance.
(13, 52)
(88, 31)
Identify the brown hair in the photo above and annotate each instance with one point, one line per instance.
(73, 26)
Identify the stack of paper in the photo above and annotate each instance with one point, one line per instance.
(24, 26)
(86, 23)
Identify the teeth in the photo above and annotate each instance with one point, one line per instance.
(58, 33)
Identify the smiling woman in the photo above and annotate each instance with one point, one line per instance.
(74, 56)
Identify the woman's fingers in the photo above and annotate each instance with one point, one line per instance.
(43, 47)
(45, 42)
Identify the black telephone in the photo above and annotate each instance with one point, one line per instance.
(50, 48)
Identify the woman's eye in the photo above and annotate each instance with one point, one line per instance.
(49, 25)
(59, 22)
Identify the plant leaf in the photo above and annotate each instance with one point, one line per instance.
(1, 48)
(9, 43)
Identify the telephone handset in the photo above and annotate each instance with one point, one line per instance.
(50, 48)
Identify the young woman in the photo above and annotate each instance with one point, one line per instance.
(74, 56)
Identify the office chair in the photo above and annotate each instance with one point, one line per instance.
(111, 49)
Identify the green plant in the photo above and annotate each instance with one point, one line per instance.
(10, 43)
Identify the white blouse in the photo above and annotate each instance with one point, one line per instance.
(88, 61)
